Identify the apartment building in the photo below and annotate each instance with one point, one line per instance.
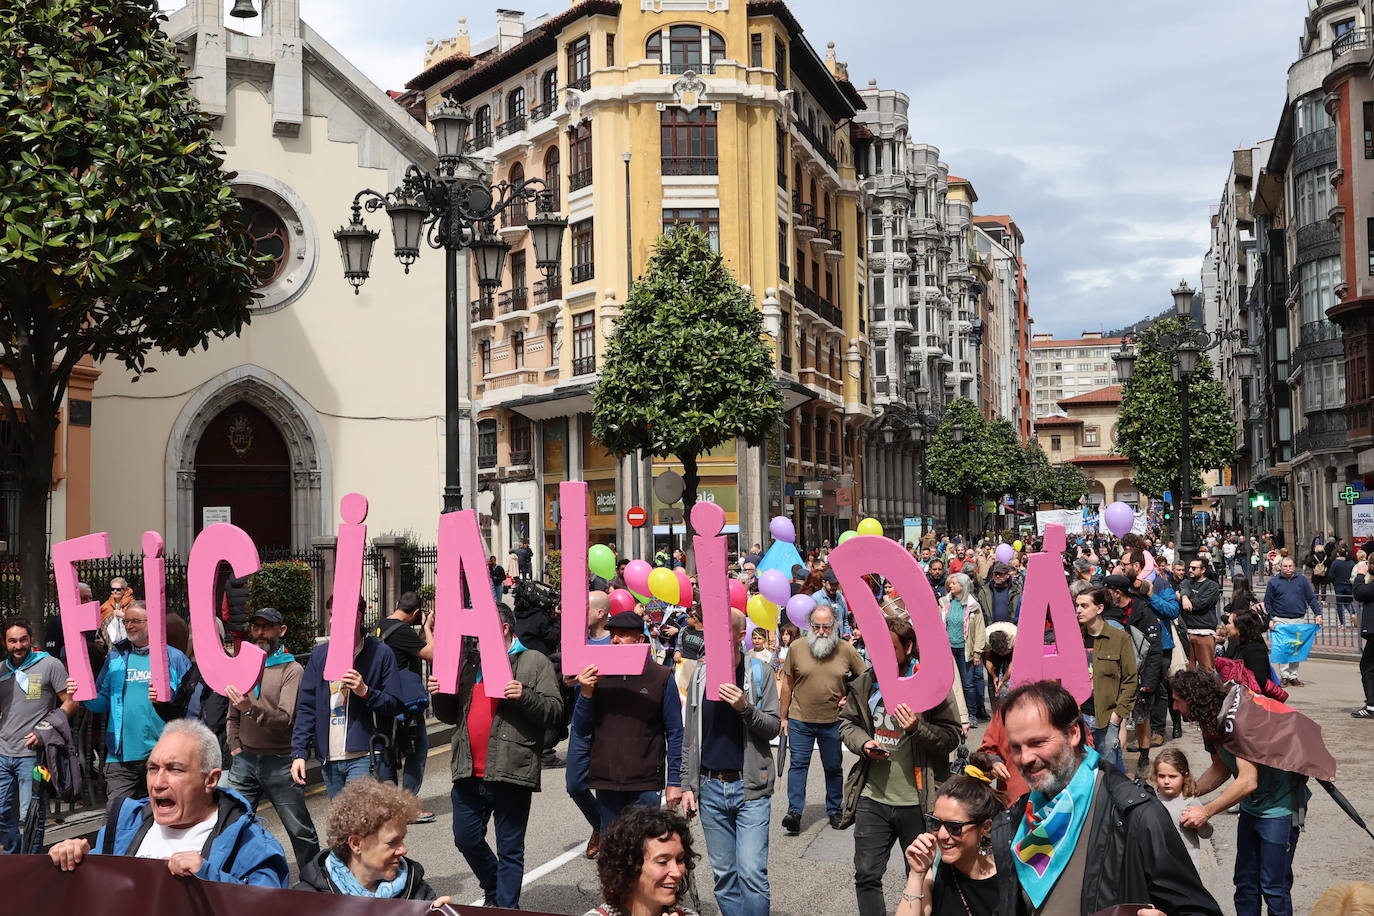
(643, 117)
(1010, 383)
(1068, 368)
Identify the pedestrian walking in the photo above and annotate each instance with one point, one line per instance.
(1288, 597)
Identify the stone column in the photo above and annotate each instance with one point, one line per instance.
(326, 547)
(389, 590)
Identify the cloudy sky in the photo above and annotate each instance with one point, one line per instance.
(1105, 129)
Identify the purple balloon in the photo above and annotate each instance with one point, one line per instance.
(1119, 518)
(798, 608)
(1005, 552)
(782, 529)
(774, 586)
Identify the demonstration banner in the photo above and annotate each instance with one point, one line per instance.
(122, 886)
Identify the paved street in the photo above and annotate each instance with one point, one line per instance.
(813, 873)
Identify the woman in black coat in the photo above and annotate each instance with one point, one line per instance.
(1364, 599)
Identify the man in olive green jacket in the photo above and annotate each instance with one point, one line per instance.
(495, 761)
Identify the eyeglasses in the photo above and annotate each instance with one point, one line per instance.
(826, 627)
(953, 828)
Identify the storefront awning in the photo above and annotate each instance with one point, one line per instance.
(560, 402)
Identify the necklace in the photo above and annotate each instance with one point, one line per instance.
(954, 873)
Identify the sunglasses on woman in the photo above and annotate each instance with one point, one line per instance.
(953, 828)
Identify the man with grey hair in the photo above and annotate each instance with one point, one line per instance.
(202, 831)
(815, 678)
(1084, 571)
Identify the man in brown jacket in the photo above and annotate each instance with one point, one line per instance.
(259, 731)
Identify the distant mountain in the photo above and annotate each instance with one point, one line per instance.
(1144, 323)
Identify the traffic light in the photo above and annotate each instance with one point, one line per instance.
(1168, 512)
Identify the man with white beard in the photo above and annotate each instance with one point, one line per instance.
(815, 677)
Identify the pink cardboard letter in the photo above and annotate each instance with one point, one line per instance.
(1047, 594)
(348, 586)
(219, 544)
(577, 653)
(929, 686)
(712, 576)
(155, 595)
(77, 618)
(462, 557)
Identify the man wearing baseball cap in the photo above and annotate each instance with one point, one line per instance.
(259, 733)
(634, 724)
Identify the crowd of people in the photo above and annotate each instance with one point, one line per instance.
(1002, 828)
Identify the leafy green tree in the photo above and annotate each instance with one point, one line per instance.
(987, 463)
(1070, 485)
(1036, 481)
(119, 233)
(1150, 430)
(288, 586)
(687, 369)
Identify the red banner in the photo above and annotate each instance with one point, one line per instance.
(122, 886)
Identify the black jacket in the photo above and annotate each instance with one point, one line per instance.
(1137, 853)
(1141, 617)
(315, 877)
(1205, 596)
(1364, 593)
(236, 597)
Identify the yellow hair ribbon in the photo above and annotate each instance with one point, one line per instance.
(977, 774)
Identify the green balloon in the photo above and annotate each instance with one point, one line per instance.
(601, 561)
(851, 533)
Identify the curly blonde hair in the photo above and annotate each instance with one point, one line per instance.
(362, 808)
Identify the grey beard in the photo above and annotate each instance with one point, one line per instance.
(822, 647)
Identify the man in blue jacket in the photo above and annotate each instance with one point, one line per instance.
(122, 693)
(202, 831)
(340, 718)
(1287, 598)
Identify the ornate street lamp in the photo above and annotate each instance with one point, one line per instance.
(456, 214)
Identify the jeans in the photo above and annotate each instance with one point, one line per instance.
(578, 762)
(1343, 606)
(613, 801)
(800, 738)
(475, 802)
(1107, 742)
(256, 775)
(1264, 864)
(876, 828)
(413, 767)
(126, 778)
(971, 677)
(737, 846)
(339, 773)
(16, 776)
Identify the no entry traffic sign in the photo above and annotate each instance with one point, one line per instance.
(636, 516)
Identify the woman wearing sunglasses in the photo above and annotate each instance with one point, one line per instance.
(957, 868)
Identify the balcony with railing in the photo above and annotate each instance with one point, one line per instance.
(581, 273)
(675, 68)
(481, 141)
(784, 272)
(510, 126)
(520, 459)
(1361, 40)
(582, 83)
(835, 237)
(542, 110)
(786, 363)
(580, 179)
(547, 290)
(690, 165)
(515, 215)
(486, 459)
(584, 365)
(816, 144)
(513, 300)
(483, 310)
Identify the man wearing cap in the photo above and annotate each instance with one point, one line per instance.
(1000, 596)
(409, 737)
(634, 725)
(1130, 609)
(259, 732)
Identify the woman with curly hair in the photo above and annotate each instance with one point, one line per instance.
(1269, 799)
(365, 846)
(975, 875)
(645, 864)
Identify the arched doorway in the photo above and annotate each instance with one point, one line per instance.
(243, 470)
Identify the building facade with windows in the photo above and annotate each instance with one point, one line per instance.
(1066, 368)
(324, 393)
(642, 117)
(1083, 432)
(1006, 367)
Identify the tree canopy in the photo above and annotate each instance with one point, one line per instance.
(119, 231)
(687, 368)
(988, 461)
(1150, 431)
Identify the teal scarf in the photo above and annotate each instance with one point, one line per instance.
(17, 673)
(516, 647)
(1047, 834)
(279, 657)
(347, 882)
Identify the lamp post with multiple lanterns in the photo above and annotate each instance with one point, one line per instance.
(452, 208)
(1183, 348)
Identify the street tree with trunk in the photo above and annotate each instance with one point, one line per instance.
(1150, 431)
(119, 232)
(1070, 485)
(687, 368)
(986, 463)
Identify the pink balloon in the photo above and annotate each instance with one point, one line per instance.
(739, 595)
(637, 576)
(684, 587)
(622, 600)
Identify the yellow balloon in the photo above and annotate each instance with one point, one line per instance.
(663, 585)
(1016, 546)
(870, 526)
(763, 612)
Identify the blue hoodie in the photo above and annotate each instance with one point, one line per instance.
(110, 685)
(240, 850)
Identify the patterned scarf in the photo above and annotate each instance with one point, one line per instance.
(1046, 837)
